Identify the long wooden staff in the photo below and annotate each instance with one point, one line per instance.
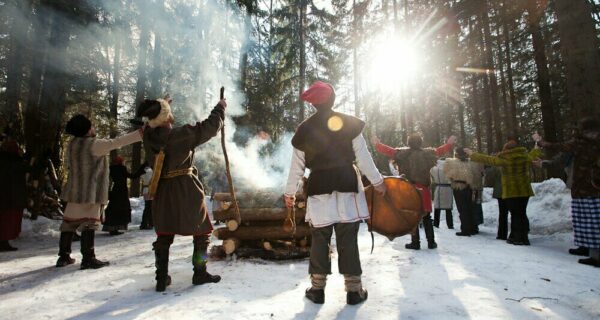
(232, 225)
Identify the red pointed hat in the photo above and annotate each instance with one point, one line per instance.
(319, 93)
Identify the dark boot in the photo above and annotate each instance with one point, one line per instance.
(580, 251)
(415, 243)
(161, 253)
(356, 297)
(449, 221)
(5, 246)
(593, 260)
(315, 295)
(436, 217)
(64, 249)
(429, 233)
(89, 260)
(201, 276)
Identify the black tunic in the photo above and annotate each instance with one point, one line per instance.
(118, 211)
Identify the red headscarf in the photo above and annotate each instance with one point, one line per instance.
(118, 160)
(319, 93)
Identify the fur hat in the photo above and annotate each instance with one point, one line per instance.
(78, 126)
(156, 111)
(320, 94)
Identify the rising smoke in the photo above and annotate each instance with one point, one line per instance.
(200, 41)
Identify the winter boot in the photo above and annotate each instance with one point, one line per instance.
(161, 253)
(593, 260)
(449, 221)
(317, 296)
(89, 260)
(415, 241)
(580, 251)
(5, 246)
(356, 297)
(199, 260)
(429, 233)
(64, 249)
(436, 218)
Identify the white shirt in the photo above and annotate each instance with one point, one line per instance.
(338, 207)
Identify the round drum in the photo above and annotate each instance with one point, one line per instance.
(398, 212)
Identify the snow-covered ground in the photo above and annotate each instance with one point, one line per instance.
(477, 277)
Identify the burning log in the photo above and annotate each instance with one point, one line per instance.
(264, 233)
(258, 214)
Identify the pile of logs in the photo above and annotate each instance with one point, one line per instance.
(267, 229)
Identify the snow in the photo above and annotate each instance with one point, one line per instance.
(477, 277)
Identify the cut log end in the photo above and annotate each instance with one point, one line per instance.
(231, 245)
(267, 245)
(232, 225)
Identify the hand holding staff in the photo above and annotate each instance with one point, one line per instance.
(238, 218)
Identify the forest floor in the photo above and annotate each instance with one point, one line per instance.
(477, 277)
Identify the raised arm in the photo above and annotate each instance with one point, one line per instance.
(488, 160)
(446, 147)
(384, 149)
(205, 130)
(102, 147)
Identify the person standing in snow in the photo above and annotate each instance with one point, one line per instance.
(493, 179)
(463, 175)
(12, 192)
(329, 143)
(118, 211)
(515, 164)
(585, 191)
(442, 197)
(146, 223)
(415, 164)
(86, 190)
(178, 206)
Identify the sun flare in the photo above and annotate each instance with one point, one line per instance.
(394, 62)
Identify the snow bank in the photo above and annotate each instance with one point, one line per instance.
(549, 211)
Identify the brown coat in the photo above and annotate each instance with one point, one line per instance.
(416, 164)
(586, 166)
(178, 206)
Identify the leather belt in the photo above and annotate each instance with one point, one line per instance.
(178, 172)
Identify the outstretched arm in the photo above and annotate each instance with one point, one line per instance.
(382, 148)
(102, 147)
(446, 147)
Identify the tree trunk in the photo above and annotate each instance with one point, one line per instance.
(139, 97)
(487, 103)
(38, 53)
(493, 81)
(14, 70)
(513, 120)
(302, 46)
(580, 51)
(543, 75)
(54, 87)
(114, 101)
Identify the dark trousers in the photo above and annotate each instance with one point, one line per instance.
(347, 247)
(502, 220)
(519, 223)
(436, 218)
(147, 215)
(466, 209)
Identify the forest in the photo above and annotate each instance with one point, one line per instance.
(483, 70)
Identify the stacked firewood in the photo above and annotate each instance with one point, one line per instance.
(268, 229)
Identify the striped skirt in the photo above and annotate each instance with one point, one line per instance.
(586, 222)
